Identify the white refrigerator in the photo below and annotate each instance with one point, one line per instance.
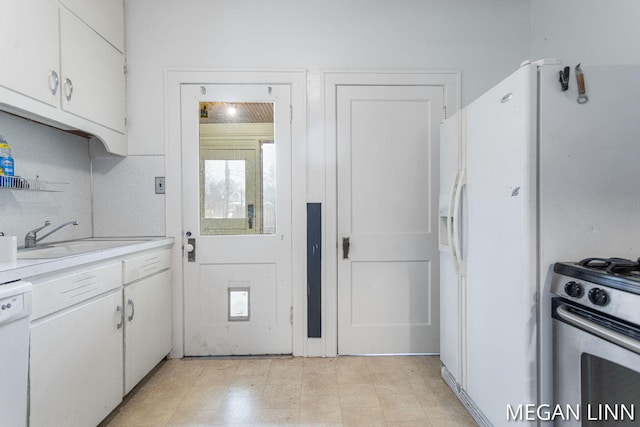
(529, 177)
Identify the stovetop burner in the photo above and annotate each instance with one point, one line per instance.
(612, 265)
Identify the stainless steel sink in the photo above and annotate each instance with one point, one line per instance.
(74, 247)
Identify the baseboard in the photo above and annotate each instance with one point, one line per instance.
(464, 398)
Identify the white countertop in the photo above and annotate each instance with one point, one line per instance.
(24, 268)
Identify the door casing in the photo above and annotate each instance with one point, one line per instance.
(321, 100)
(450, 83)
(174, 78)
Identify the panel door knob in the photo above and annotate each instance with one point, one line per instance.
(346, 244)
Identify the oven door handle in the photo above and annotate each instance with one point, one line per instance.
(597, 330)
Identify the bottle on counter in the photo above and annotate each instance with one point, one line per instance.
(6, 163)
(6, 160)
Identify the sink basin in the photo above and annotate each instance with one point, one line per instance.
(75, 247)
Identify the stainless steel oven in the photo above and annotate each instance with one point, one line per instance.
(596, 328)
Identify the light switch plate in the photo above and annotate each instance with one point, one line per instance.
(159, 184)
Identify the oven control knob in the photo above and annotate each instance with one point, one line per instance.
(574, 289)
(598, 296)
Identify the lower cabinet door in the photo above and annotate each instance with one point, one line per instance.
(147, 334)
(76, 364)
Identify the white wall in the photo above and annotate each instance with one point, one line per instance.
(53, 155)
(289, 34)
(486, 40)
(586, 31)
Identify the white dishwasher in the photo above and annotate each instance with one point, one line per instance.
(15, 308)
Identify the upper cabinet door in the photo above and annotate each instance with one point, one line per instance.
(29, 46)
(106, 17)
(92, 79)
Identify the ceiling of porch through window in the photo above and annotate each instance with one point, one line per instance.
(245, 112)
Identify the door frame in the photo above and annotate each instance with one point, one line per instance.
(448, 80)
(173, 80)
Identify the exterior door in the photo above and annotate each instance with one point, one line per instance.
(388, 265)
(236, 162)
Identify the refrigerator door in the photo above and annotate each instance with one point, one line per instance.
(449, 277)
(501, 247)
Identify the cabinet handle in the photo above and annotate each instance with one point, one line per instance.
(121, 311)
(68, 88)
(54, 82)
(133, 309)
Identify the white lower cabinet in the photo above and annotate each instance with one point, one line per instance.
(76, 364)
(147, 333)
(93, 339)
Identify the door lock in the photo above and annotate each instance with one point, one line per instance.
(190, 248)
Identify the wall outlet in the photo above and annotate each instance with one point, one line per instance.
(159, 184)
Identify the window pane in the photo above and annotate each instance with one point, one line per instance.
(225, 189)
(238, 168)
(268, 188)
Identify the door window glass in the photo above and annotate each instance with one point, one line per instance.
(225, 194)
(237, 168)
(268, 187)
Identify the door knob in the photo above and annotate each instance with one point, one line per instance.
(346, 244)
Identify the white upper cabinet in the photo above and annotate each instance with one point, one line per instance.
(30, 52)
(92, 75)
(65, 67)
(106, 17)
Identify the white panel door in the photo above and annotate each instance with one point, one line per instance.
(237, 291)
(387, 138)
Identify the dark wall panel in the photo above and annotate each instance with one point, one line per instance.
(314, 270)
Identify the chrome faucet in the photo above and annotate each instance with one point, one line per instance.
(30, 239)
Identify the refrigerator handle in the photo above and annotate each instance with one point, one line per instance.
(457, 219)
(450, 221)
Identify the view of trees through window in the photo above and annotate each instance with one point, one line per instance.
(237, 168)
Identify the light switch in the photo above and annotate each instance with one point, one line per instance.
(159, 184)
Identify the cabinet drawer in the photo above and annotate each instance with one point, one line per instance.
(146, 265)
(64, 291)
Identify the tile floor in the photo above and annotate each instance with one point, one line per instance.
(346, 391)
